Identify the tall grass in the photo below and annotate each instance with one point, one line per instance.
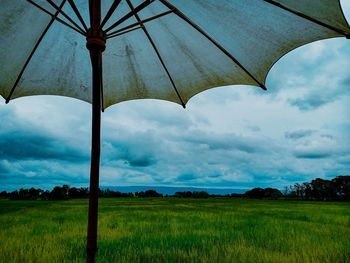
(177, 230)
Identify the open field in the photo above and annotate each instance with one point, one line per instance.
(177, 230)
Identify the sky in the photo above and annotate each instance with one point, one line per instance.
(233, 137)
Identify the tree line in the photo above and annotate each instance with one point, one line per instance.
(66, 192)
(337, 188)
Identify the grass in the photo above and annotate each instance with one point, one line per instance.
(177, 230)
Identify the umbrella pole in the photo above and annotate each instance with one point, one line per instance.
(96, 40)
(96, 57)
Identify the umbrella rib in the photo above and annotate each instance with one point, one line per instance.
(65, 15)
(33, 51)
(101, 87)
(117, 32)
(123, 32)
(110, 12)
(157, 52)
(342, 32)
(212, 40)
(76, 11)
(56, 18)
(130, 14)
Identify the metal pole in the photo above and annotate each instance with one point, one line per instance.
(96, 45)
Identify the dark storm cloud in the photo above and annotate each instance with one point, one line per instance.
(321, 94)
(22, 140)
(22, 145)
(344, 159)
(328, 136)
(4, 167)
(312, 155)
(311, 102)
(226, 142)
(346, 82)
(187, 177)
(295, 135)
(141, 162)
(135, 149)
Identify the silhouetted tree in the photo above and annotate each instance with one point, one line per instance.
(318, 189)
(194, 194)
(272, 193)
(111, 193)
(341, 186)
(322, 189)
(257, 193)
(307, 191)
(200, 194)
(78, 192)
(4, 194)
(261, 193)
(235, 195)
(148, 193)
(45, 195)
(59, 193)
(185, 194)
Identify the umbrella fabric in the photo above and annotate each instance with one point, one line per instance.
(235, 42)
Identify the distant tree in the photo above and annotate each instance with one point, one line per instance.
(60, 193)
(261, 193)
(78, 192)
(307, 191)
(23, 194)
(299, 191)
(323, 189)
(45, 195)
(185, 194)
(341, 186)
(235, 195)
(14, 195)
(257, 193)
(200, 194)
(34, 194)
(111, 193)
(320, 189)
(4, 194)
(149, 193)
(272, 193)
(194, 194)
(26, 194)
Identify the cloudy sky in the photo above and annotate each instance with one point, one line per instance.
(236, 137)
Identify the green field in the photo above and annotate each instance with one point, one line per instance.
(177, 230)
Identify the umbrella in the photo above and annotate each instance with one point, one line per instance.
(165, 49)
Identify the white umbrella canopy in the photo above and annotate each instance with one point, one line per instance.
(229, 42)
(160, 49)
